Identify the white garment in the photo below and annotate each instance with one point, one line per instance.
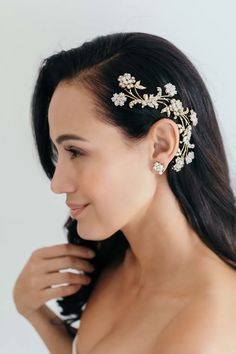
(74, 345)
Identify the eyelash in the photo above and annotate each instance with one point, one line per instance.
(73, 153)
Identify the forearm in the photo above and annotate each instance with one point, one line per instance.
(52, 331)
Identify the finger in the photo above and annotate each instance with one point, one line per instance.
(56, 264)
(64, 249)
(56, 279)
(55, 293)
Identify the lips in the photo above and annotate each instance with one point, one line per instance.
(75, 211)
(75, 206)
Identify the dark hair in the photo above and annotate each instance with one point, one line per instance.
(201, 187)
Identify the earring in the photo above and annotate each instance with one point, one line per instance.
(158, 167)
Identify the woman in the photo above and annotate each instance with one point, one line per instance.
(125, 127)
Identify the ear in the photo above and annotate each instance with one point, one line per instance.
(164, 140)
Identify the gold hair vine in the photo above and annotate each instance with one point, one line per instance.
(173, 107)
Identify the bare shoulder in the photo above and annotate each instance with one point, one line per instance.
(205, 326)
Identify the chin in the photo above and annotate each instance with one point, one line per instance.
(92, 236)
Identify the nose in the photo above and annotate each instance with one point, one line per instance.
(62, 181)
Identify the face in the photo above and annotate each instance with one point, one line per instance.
(113, 177)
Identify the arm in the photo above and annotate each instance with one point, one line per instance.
(51, 329)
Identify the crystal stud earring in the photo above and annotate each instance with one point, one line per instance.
(158, 167)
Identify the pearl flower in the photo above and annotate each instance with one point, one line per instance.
(187, 135)
(119, 99)
(176, 106)
(170, 89)
(189, 157)
(126, 80)
(179, 164)
(193, 117)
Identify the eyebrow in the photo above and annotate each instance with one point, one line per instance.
(64, 137)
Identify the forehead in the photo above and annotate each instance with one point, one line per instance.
(70, 106)
(72, 110)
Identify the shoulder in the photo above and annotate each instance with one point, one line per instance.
(207, 326)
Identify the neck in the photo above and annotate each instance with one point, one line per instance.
(164, 249)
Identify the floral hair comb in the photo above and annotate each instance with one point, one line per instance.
(171, 107)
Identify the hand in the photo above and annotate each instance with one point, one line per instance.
(33, 286)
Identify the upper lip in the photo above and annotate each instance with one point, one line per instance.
(75, 206)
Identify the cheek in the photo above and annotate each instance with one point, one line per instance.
(137, 188)
(121, 189)
(117, 193)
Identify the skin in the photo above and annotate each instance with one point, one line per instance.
(166, 256)
(124, 191)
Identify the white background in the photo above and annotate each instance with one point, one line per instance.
(31, 215)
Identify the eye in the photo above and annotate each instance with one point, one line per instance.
(74, 152)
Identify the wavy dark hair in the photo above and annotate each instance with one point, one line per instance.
(202, 187)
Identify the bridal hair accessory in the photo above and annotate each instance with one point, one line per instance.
(172, 107)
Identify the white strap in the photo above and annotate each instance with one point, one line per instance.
(74, 345)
